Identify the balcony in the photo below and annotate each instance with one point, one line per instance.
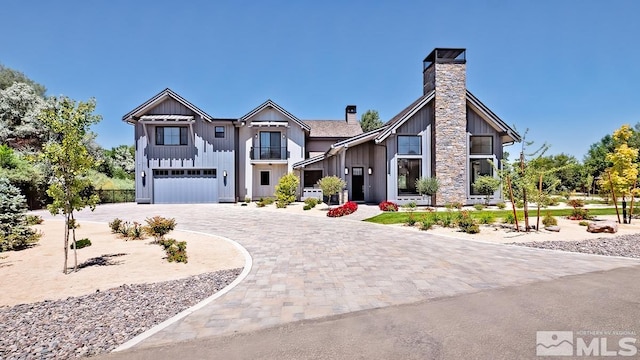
(269, 153)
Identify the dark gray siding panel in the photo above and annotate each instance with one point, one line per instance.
(368, 155)
(418, 122)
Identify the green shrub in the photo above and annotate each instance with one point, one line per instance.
(549, 220)
(307, 207)
(411, 219)
(467, 224)
(82, 243)
(286, 190)
(486, 185)
(579, 214)
(311, 202)
(501, 205)
(519, 204)
(34, 220)
(115, 226)
(509, 219)
(268, 200)
(453, 205)
(247, 199)
(583, 223)
(176, 250)
(486, 218)
(427, 186)
(575, 203)
(136, 231)
(159, 226)
(478, 206)
(427, 223)
(447, 219)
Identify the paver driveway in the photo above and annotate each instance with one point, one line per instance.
(307, 267)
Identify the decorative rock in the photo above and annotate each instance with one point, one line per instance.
(602, 226)
(97, 323)
(554, 228)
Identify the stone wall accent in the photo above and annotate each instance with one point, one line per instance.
(450, 129)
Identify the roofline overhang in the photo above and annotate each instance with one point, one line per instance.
(393, 127)
(494, 120)
(134, 115)
(270, 103)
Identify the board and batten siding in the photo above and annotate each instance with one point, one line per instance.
(368, 155)
(204, 151)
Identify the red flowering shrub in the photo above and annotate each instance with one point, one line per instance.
(346, 209)
(388, 206)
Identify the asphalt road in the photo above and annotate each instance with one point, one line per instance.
(491, 324)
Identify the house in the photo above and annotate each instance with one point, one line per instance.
(183, 155)
(446, 133)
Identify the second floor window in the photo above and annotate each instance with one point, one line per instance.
(409, 145)
(171, 135)
(219, 131)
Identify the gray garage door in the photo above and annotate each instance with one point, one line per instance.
(185, 186)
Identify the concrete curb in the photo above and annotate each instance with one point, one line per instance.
(248, 263)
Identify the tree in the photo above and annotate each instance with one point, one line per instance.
(286, 190)
(486, 185)
(68, 121)
(331, 185)
(20, 127)
(370, 120)
(622, 175)
(9, 77)
(14, 231)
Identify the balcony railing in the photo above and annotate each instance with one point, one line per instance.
(269, 153)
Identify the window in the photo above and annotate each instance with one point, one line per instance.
(171, 135)
(177, 172)
(481, 145)
(479, 167)
(210, 172)
(264, 178)
(270, 145)
(160, 172)
(219, 131)
(311, 178)
(193, 172)
(409, 145)
(408, 173)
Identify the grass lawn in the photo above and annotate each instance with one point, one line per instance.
(402, 217)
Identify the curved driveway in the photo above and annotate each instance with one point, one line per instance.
(306, 267)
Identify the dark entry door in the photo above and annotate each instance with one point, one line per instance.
(357, 184)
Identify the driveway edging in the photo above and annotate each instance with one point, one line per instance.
(248, 263)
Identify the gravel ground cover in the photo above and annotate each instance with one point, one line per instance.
(622, 245)
(99, 322)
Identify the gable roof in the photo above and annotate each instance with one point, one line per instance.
(492, 118)
(332, 129)
(404, 115)
(271, 104)
(157, 99)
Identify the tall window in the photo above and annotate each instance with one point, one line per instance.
(481, 145)
(270, 145)
(409, 145)
(171, 135)
(479, 167)
(408, 173)
(219, 131)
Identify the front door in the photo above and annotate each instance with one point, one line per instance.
(357, 184)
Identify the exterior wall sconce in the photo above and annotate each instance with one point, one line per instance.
(370, 171)
(346, 171)
(224, 173)
(142, 174)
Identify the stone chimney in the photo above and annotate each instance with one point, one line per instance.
(350, 115)
(445, 72)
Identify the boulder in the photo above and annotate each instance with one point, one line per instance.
(554, 228)
(602, 226)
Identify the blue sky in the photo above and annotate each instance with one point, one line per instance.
(566, 69)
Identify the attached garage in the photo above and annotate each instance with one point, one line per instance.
(184, 186)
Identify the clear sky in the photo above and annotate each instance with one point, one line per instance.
(566, 69)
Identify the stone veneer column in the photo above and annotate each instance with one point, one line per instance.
(450, 132)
